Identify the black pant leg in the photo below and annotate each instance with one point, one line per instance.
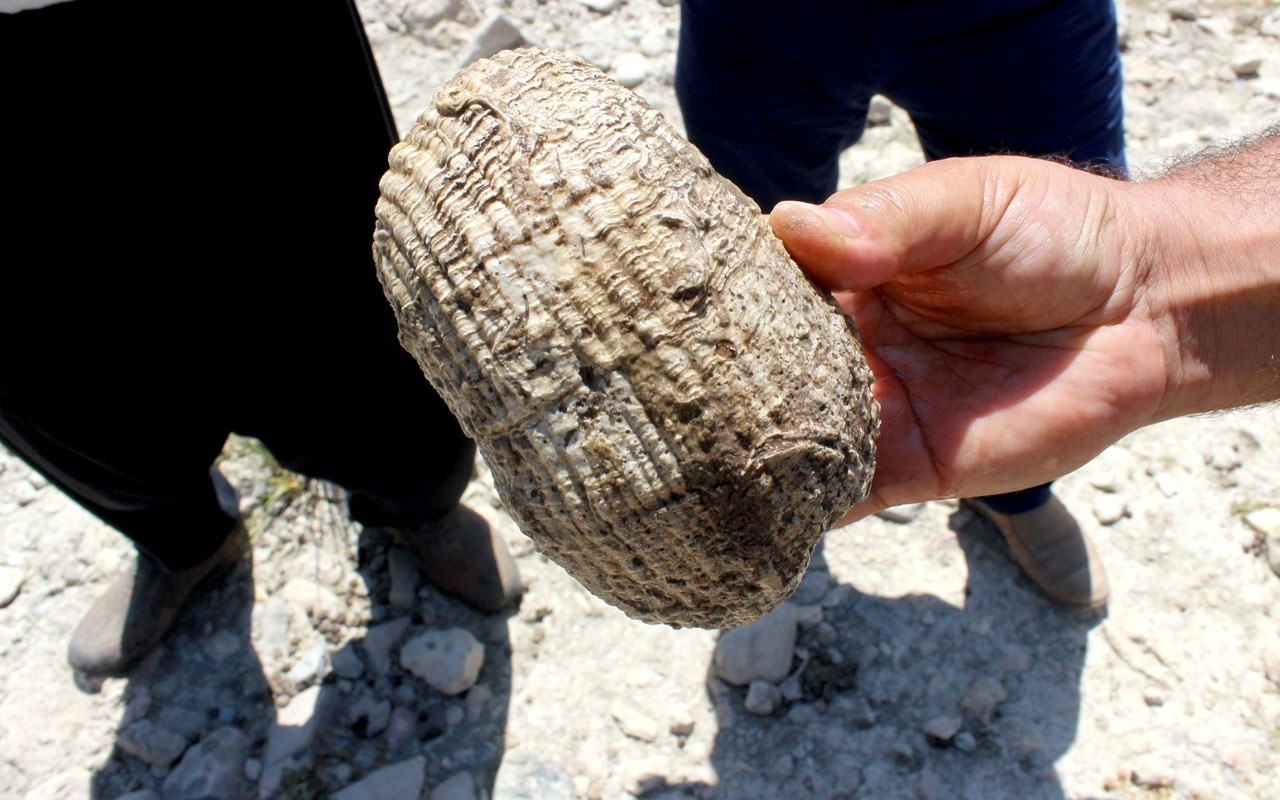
(104, 380)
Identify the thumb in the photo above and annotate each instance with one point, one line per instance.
(862, 237)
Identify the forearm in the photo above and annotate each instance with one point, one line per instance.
(1205, 239)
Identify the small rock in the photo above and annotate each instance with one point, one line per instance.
(630, 69)
(447, 660)
(602, 6)
(404, 574)
(294, 730)
(791, 688)
(380, 640)
(1225, 458)
(1107, 481)
(152, 743)
(680, 721)
(1109, 509)
(11, 581)
(942, 730)
(460, 787)
(1184, 12)
(1265, 521)
(477, 702)
(1154, 696)
(309, 666)
(634, 722)
(1151, 778)
(211, 769)
(763, 699)
(496, 33)
(454, 716)
(392, 782)
(655, 43)
(401, 727)
(965, 742)
(346, 664)
(982, 699)
(762, 650)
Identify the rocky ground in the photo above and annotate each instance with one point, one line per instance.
(914, 662)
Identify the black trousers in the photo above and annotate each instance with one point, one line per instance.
(188, 255)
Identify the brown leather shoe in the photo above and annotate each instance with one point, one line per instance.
(130, 619)
(1053, 551)
(464, 558)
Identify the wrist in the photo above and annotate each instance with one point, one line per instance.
(1205, 243)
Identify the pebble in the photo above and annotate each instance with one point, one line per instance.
(761, 650)
(392, 782)
(680, 721)
(380, 640)
(631, 69)
(634, 722)
(447, 660)
(405, 576)
(11, 581)
(212, 769)
(461, 786)
(942, 730)
(1109, 509)
(346, 663)
(152, 743)
(495, 33)
(983, 699)
(763, 698)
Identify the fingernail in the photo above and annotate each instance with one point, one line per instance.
(840, 222)
(833, 219)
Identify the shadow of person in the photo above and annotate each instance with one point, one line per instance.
(197, 706)
(336, 670)
(909, 696)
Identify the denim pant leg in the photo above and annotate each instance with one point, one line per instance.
(1012, 76)
(773, 92)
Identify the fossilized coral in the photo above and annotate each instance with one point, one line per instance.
(669, 408)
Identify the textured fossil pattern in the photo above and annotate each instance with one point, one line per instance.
(670, 409)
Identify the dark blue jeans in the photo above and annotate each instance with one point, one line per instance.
(773, 92)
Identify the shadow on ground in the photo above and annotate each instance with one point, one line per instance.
(913, 697)
(201, 717)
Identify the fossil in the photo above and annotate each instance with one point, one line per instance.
(670, 409)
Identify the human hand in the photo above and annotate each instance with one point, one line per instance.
(1002, 305)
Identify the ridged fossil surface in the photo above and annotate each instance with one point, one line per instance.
(669, 408)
